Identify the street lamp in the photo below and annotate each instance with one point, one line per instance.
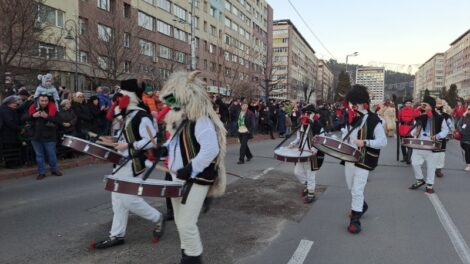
(73, 27)
(350, 55)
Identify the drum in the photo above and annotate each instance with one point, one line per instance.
(149, 187)
(423, 144)
(92, 149)
(292, 155)
(337, 148)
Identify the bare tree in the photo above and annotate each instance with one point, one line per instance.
(23, 24)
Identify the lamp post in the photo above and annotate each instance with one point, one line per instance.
(347, 56)
(69, 36)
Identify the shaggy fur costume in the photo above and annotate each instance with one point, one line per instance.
(195, 103)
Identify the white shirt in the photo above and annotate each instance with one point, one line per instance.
(427, 136)
(146, 138)
(379, 141)
(209, 148)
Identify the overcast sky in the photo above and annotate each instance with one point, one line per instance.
(393, 31)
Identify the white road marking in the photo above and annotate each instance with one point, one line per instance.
(455, 237)
(301, 252)
(263, 173)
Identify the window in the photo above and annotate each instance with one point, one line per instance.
(83, 56)
(147, 48)
(127, 66)
(180, 34)
(179, 12)
(213, 31)
(82, 25)
(105, 63)
(227, 5)
(165, 52)
(241, 61)
(212, 11)
(196, 21)
(104, 4)
(227, 56)
(234, 58)
(127, 10)
(49, 51)
(164, 73)
(146, 21)
(127, 40)
(212, 48)
(205, 26)
(152, 2)
(51, 16)
(234, 26)
(104, 32)
(163, 27)
(228, 22)
(164, 4)
(205, 65)
(180, 56)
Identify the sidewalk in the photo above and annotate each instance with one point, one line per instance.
(6, 174)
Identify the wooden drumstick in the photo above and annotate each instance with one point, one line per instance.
(106, 143)
(152, 139)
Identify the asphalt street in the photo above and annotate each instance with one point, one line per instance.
(261, 219)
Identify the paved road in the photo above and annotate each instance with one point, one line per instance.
(260, 220)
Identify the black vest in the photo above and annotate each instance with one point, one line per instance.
(132, 134)
(437, 119)
(370, 156)
(189, 148)
(317, 160)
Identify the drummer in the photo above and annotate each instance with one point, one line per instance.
(369, 136)
(133, 137)
(429, 126)
(306, 171)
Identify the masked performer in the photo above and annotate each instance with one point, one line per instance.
(430, 126)
(368, 135)
(133, 137)
(196, 152)
(306, 172)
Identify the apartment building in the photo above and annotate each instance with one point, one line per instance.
(324, 83)
(457, 64)
(294, 63)
(430, 76)
(374, 79)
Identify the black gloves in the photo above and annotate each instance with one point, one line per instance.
(185, 172)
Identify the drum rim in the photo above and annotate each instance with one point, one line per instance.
(337, 140)
(146, 182)
(305, 154)
(322, 148)
(94, 145)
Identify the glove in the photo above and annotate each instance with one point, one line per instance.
(185, 172)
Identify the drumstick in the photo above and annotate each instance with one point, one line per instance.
(164, 169)
(152, 139)
(106, 143)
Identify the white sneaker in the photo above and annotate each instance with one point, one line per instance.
(467, 168)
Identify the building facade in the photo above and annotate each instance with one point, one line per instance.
(430, 76)
(324, 84)
(294, 63)
(457, 65)
(374, 79)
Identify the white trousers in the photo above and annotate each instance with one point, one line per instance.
(186, 216)
(356, 180)
(418, 158)
(440, 160)
(123, 203)
(304, 174)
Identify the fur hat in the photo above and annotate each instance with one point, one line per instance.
(131, 85)
(358, 95)
(406, 100)
(44, 78)
(429, 100)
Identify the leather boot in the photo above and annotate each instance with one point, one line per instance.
(355, 225)
(185, 259)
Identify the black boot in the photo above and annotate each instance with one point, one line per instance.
(364, 208)
(157, 233)
(355, 225)
(185, 259)
(109, 242)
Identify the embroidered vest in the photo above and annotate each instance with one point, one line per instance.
(131, 133)
(189, 148)
(370, 156)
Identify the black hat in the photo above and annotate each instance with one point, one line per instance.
(429, 100)
(131, 85)
(408, 100)
(358, 95)
(309, 109)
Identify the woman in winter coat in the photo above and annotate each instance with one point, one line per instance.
(83, 113)
(464, 128)
(66, 118)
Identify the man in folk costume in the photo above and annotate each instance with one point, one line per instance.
(442, 109)
(196, 152)
(406, 120)
(306, 171)
(430, 126)
(132, 139)
(368, 135)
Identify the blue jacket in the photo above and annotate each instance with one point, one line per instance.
(104, 100)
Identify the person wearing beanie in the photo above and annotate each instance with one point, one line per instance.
(305, 172)
(46, 87)
(406, 119)
(149, 99)
(137, 132)
(429, 126)
(368, 135)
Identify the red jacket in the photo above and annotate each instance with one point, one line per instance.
(458, 111)
(406, 116)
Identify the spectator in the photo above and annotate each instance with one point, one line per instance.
(10, 128)
(96, 115)
(83, 113)
(295, 116)
(46, 87)
(114, 115)
(150, 100)
(464, 128)
(234, 111)
(67, 119)
(281, 121)
(458, 112)
(245, 133)
(44, 138)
